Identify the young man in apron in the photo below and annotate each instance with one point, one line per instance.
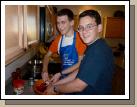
(69, 46)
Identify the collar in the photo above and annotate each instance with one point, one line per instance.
(94, 40)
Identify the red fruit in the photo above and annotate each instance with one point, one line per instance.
(41, 88)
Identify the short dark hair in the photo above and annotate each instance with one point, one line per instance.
(67, 12)
(92, 14)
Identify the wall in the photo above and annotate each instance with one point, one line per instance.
(21, 29)
(18, 63)
(105, 11)
(114, 42)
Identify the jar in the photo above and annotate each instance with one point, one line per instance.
(18, 86)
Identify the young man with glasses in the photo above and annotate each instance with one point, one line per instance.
(97, 67)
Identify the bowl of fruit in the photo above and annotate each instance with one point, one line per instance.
(40, 86)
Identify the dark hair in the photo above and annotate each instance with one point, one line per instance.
(67, 12)
(92, 14)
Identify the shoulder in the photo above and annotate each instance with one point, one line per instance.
(99, 45)
(56, 40)
(80, 45)
(77, 35)
(54, 46)
(58, 37)
(101, 49)
(79, 40)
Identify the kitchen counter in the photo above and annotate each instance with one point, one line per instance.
(28, 89)
(27, 71)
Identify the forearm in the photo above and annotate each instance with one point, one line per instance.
(45, 64)
(71, 69)
(73, 86)
(46, 61)
(74, 67)
(69, 78)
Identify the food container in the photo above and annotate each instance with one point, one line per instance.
(18, 86)
(40, 86)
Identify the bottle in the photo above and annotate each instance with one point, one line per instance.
(31, 81)
(18, 73)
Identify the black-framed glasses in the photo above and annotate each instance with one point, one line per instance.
(87, 27)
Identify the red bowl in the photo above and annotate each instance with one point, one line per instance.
(39, 87)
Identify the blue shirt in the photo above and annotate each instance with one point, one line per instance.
(97, 69)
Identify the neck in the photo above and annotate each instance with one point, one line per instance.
(70, 33)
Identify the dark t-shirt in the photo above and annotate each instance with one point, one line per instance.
(97, 68)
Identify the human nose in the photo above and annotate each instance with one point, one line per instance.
(84, 29)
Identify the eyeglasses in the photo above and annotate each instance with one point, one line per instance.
(87, 27)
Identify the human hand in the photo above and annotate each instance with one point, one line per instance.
(45, 76)
(50, 90)
(55, 78)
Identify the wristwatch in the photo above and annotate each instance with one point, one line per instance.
(55, 89)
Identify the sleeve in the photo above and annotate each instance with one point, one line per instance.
(80, 45)
(91, 68)
(54, 45)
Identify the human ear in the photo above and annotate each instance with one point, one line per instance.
(100, 28)
(72, 22)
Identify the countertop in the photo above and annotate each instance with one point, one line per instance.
(27, 72)
(28, 89)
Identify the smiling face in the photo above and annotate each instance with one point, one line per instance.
(88, 29)
(64, 25)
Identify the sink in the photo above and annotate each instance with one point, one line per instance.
(29, 70)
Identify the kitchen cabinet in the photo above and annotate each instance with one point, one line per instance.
(32, 25)
(114, 27)
(21, 29)
(13, 31)
(50, 28)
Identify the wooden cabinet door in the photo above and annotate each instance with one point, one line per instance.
(13, 31)
(21, 29)
(115, 27)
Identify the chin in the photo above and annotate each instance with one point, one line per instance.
(63, 32)
(85, 42)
